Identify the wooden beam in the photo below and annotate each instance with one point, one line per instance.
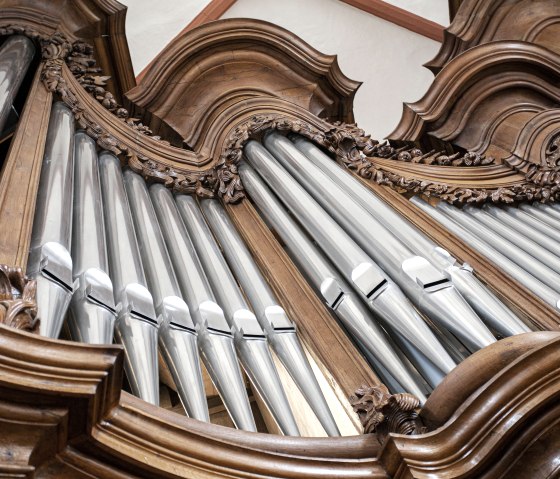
(400, 17)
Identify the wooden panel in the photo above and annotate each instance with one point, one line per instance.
(20, 176)
(325, 339)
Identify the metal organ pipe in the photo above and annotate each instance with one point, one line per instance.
(92, 309)
(49, 262)
(249, 337)
(444, 216)
(369, 281)
(428, 289)
(136, 326)
(337, 294)
(537, 226)
(177, 334)
(486, 305)
(16, 55)
(543, 213)
(279, 330)
(215, 340)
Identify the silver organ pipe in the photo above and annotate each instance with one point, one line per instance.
(92, 309)
(469, 231)
(136, 326)
(543, 213)
(521, 242)
(366, 277)
(336, 293)
(489, 308)
(177, 334)
(215, 340)
(49, 261)
(16, 55)
(427, 288)
(536, 226)
(249, 337)
(279, 330)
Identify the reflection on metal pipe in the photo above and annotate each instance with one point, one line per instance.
(177, 334)
(214, 334)
(486, 305)
(280, 331)
(369, 281)
(92, 309)
(15, 57)
(249, 337)
(428, 289)
(472, 239)
(338, 295)
(543, 213)
(536, 225)
(505, 231)
(136, 326)
(49, 262)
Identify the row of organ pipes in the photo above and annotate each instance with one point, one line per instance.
(117, 259)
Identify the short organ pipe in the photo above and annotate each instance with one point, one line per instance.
(249, 337)
(49, 261)
(177, 334)
(280, 331)
(136, 326)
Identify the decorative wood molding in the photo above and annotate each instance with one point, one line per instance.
(479, 21)
(18, 307)
(401, 17)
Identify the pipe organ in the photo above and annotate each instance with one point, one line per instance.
(204, 249)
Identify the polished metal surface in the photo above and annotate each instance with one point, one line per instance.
(522, 242)
(136, 326)
(474, 240)
(385, 299)
(542, 213)
(273, 319)
(427, 288)
(177, 334)
(16, 55)
(49, 256)
(215, 340)
(327, 281)
(486, 305)
(507, 247)
(92, 309)
(249, 337)
(537, 226)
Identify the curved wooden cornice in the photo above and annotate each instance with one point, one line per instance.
(481, 21)
(226, 62)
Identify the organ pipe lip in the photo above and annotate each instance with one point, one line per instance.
(277, 319)
(213, 318)
(96, 286)
(332, 291)
(56, 265)
(244, 322)
(138, 302)
(424, 274)
(176, 313)
(368, 279)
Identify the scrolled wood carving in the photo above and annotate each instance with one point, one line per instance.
(381, 412)
(18, 308)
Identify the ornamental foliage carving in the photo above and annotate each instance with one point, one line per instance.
(17, 300)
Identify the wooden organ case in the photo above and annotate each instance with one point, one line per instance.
(472, 163)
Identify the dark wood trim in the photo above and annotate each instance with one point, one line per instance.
(399, 16)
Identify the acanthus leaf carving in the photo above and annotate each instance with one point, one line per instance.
(18, 308)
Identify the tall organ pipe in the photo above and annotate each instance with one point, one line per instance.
(336, 293)
(428, 289)
(136, 326)
(279, 330)
(537, 226)
(542, 212)
(486, 305)
(215, 340)
(177, 334)
(368, 280)
(92, 309)
(441, 215)
(249, 337)
(16, 55)
(49, 262)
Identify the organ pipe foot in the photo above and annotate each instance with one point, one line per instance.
(139, 339)
(52, 303)
(180, 352)
(257, 362)
(219, 357)
(288, 348)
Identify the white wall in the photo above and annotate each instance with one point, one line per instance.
(385, 57)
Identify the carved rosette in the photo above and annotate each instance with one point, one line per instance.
(18, 308)
(382, 413)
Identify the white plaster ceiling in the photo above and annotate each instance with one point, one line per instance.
(385, 57)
